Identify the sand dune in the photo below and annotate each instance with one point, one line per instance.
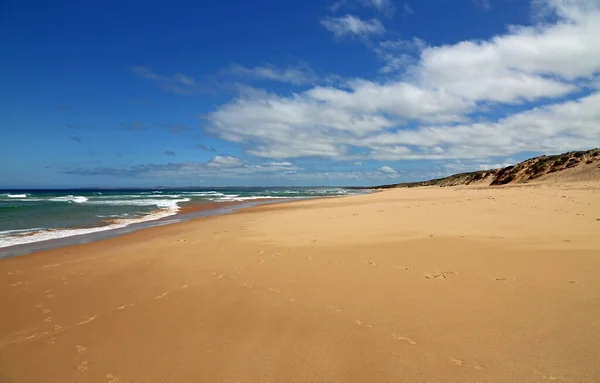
(455, 284)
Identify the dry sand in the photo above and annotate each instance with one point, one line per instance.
(411, 285)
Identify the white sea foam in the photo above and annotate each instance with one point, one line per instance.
(161, 203)
(16, 195)
(237, 198)
(19, 237)
(69, 198)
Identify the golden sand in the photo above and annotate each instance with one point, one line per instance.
(406, 285)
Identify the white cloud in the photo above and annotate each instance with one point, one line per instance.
(399, 54)
(349, 25)
(224, 161)
(482, 4)
(427, 112)
(388, 170)
(297, 75)
(383, 6)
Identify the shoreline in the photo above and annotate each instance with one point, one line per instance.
(405, 285)
(185, 213)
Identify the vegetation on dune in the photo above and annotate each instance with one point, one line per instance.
(523, 172)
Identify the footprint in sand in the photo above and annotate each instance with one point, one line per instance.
(370, 263)
(275, 291)
(403, 338)
(571, 282)
(83, 366)
(293, 300)
(112, 378)
(51, 341)
(308, 257)
(184, 286)
(500, 279)
(161, 295)
(400, 268)
(553, 378)
(88, 320)
(260, 261)
(49, 296)
(362, 323)
(336, 309)
(58, 328)
(48, 320)
(441, 274)
(460, 362)
(80, 348)
(125, 306)
(247, 285)
(218, 276)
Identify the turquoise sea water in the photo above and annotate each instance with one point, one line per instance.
(28, 216)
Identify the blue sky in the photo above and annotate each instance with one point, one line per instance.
(348, 92)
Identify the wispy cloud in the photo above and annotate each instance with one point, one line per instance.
(177, 83)
(77, 139)
(298, 75)
(135, 126)
(218, 166)
(353, 26)
(74, 126)
(64, 108)
(206, 148)
(388, 170)
(174, 128)
(383, 6)
(484, 5)
(226, 167)
(170, 153)
(407, 10)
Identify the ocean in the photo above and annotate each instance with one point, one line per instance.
(28, 216)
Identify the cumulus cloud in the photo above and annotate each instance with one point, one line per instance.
(177, 83)
(352, 26)
(530, 89)
(296, 75)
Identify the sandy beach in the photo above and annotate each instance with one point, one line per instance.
(456, 284)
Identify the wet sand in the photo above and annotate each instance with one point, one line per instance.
(407, 285)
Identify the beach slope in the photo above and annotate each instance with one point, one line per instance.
(456, 284)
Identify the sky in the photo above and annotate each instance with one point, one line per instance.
(290, 93)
